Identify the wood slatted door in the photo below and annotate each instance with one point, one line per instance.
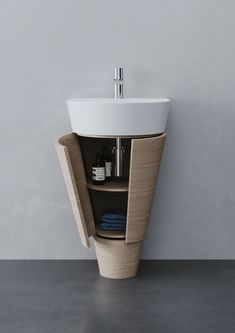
(69, 154)
(146, 156)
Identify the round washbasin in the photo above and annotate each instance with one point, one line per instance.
(118, 117)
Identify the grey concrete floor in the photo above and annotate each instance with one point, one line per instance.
(70, 296)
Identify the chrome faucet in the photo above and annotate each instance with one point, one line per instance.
(118, 150)
(118, 82)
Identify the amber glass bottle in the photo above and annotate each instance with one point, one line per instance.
(98, 171)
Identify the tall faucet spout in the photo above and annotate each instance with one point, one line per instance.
(118, 82)
(118, 150)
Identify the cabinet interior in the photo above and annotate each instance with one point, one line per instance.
(90, 146)
(105, 197)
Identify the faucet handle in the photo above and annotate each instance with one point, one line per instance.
(118, 73)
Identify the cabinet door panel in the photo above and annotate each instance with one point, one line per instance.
(146, 156)
(70, 158)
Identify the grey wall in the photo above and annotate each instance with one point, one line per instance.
(54, 49)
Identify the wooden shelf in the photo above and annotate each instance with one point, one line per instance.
(111, 234)
(115, 185)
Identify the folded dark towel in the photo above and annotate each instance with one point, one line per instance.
(107, 220)
(110, 219)
(113, 224)
(114, 214)
(113, 220)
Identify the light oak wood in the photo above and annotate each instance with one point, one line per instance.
(115, 185)
(69, 154)
(117, 259)
(111, 234)
(146, 156)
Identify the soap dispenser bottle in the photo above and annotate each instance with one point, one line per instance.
(98, 170)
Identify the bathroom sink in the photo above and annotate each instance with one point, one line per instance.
(118, 117)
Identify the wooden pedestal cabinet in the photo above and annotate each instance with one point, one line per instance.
(118, 253)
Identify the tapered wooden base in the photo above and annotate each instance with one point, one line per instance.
(116, 258)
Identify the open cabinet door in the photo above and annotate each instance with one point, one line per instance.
(146, 156)
(69, 154)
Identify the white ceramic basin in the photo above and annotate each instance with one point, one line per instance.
(118, 117)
